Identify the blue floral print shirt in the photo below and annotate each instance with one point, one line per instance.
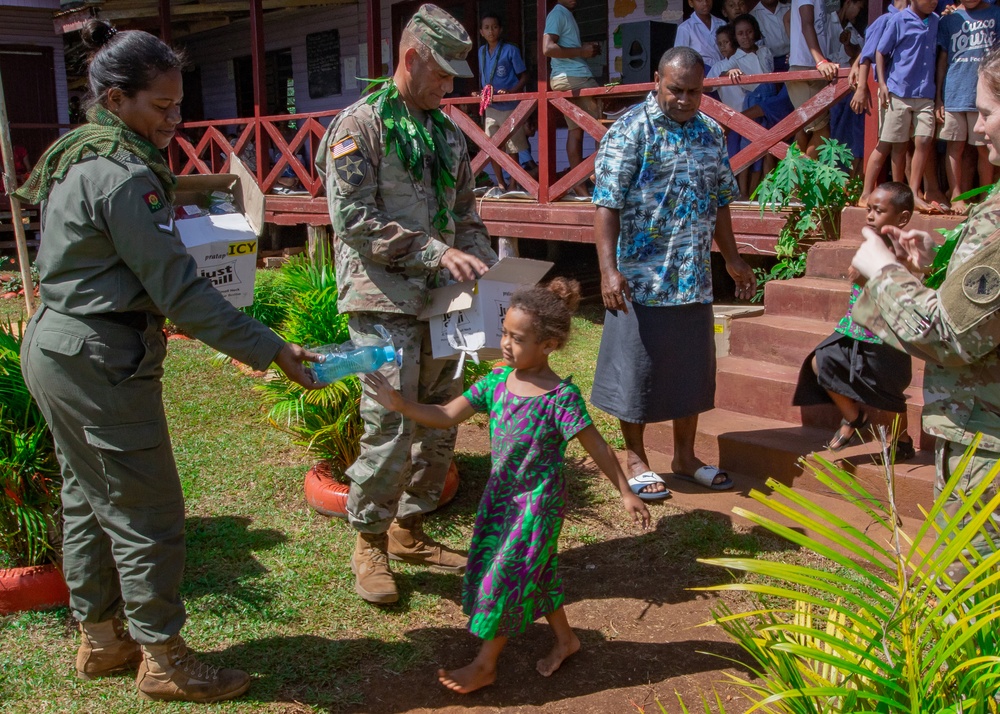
(667, 180)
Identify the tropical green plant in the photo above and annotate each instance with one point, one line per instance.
(271, 296)
(886, 629)
(326, 421)
(939, 268)
(813, 192)
(29, 474)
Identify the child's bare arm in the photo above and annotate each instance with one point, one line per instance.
(436, 416)
(604, 457)
(942, 70)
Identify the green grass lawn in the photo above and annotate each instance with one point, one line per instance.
(267, 584)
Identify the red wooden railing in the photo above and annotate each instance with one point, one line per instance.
(210, 151)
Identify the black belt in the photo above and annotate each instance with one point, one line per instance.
(135, 319)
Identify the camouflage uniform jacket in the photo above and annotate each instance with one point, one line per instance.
(386, 250)
(962, 376)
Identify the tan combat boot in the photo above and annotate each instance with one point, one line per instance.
(373, 580)
(171, 672)
(105, 648)
(409, 543)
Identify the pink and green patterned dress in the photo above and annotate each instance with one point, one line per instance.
(511, 578)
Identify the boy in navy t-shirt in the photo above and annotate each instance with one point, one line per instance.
(501, 71)
(964, 38)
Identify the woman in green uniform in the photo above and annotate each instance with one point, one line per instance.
(111, 267)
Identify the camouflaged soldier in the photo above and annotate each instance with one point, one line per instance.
(396, 231)
(955, 329)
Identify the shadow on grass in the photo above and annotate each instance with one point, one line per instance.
(220, 558)
(373, 676)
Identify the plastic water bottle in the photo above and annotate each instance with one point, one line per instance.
(342, 360)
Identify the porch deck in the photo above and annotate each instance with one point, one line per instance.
(544, 215)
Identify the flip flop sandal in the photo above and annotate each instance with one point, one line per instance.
(839, 442)
(646, 478)
(706, 475)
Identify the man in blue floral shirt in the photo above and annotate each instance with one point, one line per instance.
(663, 190)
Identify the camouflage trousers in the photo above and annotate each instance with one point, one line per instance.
(402, 466)
(947, 455)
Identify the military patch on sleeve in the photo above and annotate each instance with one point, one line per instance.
(981, 284)
(351, 168)
(345, 146)
(153, 201)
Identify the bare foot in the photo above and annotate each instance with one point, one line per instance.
(469, 678)
(863, 201)
(560, 651)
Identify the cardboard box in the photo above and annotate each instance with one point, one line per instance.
(471, 313)
(724, 316)
(224, 247)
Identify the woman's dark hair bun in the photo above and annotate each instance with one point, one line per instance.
(97, 33)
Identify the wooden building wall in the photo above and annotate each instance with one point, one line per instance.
(29, 22)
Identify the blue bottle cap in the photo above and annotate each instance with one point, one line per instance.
(390, 353)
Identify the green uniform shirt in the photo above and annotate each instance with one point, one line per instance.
(962, 376)
(386, 250)
(109, 245)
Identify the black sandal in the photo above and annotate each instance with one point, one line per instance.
(904, 451)
(839, 442)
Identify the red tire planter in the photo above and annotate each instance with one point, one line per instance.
(37, 587)
(328, 497)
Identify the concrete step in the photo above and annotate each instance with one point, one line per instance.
(831, 259)
(765, 390)
(785, 340)
(753, 448)
(823, 299)
(779, 339)
(853, 219)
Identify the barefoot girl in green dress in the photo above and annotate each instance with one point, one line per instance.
(511, 577)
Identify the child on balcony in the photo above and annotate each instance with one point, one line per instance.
(964, 38)
(501, 71)
(770, 15)
(844, 44)
(698, 32)
(511, 578)
(748, 59)
(852, 367)
(906, 91)
(807, 32)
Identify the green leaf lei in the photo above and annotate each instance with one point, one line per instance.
(412, 142)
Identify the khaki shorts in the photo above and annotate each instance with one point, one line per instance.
(801, 92)
(907, 117)
(590, 105)
(960, 126)
(494, 120)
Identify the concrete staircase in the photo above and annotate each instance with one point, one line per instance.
(755, 433)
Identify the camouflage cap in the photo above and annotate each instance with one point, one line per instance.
(447, 40)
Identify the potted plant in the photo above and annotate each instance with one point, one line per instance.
(326, 421)
(812, 192)
(29, 492)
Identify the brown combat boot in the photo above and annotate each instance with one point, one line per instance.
(171, 672)
(409, 543)
(373, 580)
(105, 648)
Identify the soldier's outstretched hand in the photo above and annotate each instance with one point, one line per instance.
(291, 360)
(462, 266)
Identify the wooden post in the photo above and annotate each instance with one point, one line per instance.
(507, 248)
(10, 184)
(374, 38)
(166, 34)
(546, 130)
(259, 83)
(318, 237)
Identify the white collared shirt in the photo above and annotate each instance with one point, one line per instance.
(693, 33)
(772, 26)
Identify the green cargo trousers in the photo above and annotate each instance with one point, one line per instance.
(97, 382)
(402, 466)
(947, 455)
